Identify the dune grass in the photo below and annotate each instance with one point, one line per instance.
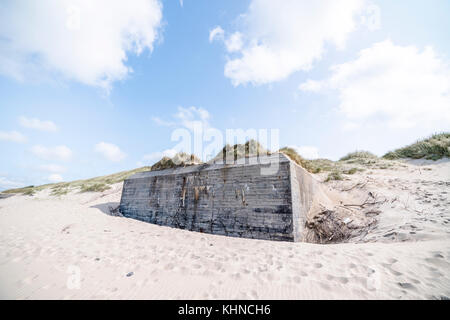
(181, 159)
(97, 184)
(358, 155)
(28, 191)
(98, 187)
(238, 151)
(433, 148)
(298, 159)
(334, 175)
(313, 166)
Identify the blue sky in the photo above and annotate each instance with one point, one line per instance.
(94, 89)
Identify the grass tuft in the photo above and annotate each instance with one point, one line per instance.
(181, 159)
(231, 153)
(358, 155)
(351, 171)
(98, 187)
(298, 159)
(334, 175)
(433, 148)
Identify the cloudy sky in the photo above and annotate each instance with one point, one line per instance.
(91, 88)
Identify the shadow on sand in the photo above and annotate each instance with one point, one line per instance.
(109, 208)
(424, 162)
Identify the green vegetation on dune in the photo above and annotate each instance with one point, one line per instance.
(98, 184)
(28, 191)
(358, 155)
(433, 148)
(103, 183)
(164, 163)
(98, 187)
(231, 153)
(298, 159)
(181, 159)
(334, 175)
(313, 166)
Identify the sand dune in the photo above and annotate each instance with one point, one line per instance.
(70, 247)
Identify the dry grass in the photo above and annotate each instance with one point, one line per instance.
(181, 159)
(433, 148)
(334, 175)
(313, 166)
(358, 155)
(98, 183)
(164, 163)
(231, 153)
(298, 159)
(98, 187)
(60, 189)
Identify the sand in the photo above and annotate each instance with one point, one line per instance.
(71, 247)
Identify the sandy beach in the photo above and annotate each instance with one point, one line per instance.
(72, 247)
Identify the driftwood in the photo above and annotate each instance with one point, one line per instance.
(367, 202)
(329, 226)
(114, 211)
(344, 222)
(357, 185)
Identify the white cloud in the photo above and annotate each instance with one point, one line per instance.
(52, 153)
(216, 34)
(162, 122)
(86, 41)
(311, 85)
(12, 136)
(278, 38)
(34, 123)
(53, 168)
(193, 117)
(307, 152)
(400, 85)
(181, 3)
(234, 42)
(6, 183)
(55, 178)
(110, 151)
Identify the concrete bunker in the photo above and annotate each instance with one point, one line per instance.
(236, 200)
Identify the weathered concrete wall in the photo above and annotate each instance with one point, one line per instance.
(234, 200)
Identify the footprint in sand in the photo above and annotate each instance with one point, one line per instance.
(246, 271)
(169, 266)
(270, 276)
(254, 294)
(324, 286)
(406, 285)
(392, 261)
(439, 262)
(236, 276)
(343, 280)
